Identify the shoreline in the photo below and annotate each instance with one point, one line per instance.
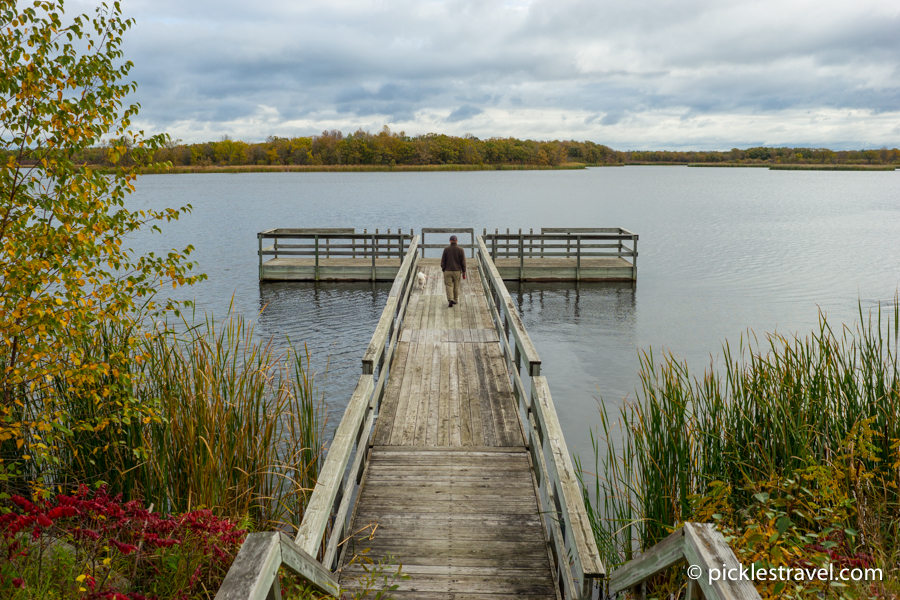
(350, 168)
(182, 170)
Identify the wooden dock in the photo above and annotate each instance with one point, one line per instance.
(449, 484)
(447, 463)
(443, 460)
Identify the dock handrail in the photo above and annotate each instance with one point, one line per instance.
(561, 245)
(499, 295)
(577, 243)
(469, 230)
(698, 544)
(254, 573)
(565, 518)
(315, 552)
(331, 497)
(334, 242)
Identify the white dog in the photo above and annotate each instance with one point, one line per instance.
(420, 280)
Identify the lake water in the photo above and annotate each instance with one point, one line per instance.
(721, 251)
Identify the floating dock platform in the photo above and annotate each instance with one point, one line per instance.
(344, 254)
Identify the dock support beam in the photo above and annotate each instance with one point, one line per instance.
(521, 257)
(634, 260)
(578, 258)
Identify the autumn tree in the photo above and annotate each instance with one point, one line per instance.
(67, 281)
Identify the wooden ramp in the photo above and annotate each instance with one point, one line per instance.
(448, 488)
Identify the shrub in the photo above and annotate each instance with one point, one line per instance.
(93, 545)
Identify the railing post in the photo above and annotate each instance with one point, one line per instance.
(521, 257)
(317, 257)
(374, 252)
(276, 247)
(259, 239)
(578, 258)
(634, 256)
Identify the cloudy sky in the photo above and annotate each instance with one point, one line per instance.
(701, 74)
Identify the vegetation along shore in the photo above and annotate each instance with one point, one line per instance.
(137, 447)
(392, 151)
(792, 449)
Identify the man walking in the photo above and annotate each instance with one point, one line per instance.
(453, 264)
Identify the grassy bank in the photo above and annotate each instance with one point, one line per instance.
(832, 168)
(727, 165)
(800, 167)
(792, 450)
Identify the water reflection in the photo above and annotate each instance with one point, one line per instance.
(333, 320)
(586, 336)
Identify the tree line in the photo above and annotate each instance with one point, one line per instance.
(393, 148)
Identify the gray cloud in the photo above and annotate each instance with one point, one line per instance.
(543, 69)
(463, 113)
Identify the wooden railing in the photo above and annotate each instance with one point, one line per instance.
(577, 243)
(443, 243)
(332, 243)
(577, 560)
(704, 549)
(316, 550)
(254, 573)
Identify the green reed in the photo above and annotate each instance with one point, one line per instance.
(778, 406)
(240, 424)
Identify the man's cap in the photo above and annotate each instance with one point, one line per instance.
(452, 238)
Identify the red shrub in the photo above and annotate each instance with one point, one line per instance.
(89, 521)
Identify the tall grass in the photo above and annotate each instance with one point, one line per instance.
(236, 423)
(781, 406)
(239, 428)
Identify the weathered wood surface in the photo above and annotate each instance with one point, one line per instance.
(254, 576)
(464, 521)
(443, 390)
(704, 546)
(315, 520)
(448, 488)
(660, 557)
(697, 544)
(566, 269)
(561, 471)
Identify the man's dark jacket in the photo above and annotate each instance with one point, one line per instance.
(453, 259)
